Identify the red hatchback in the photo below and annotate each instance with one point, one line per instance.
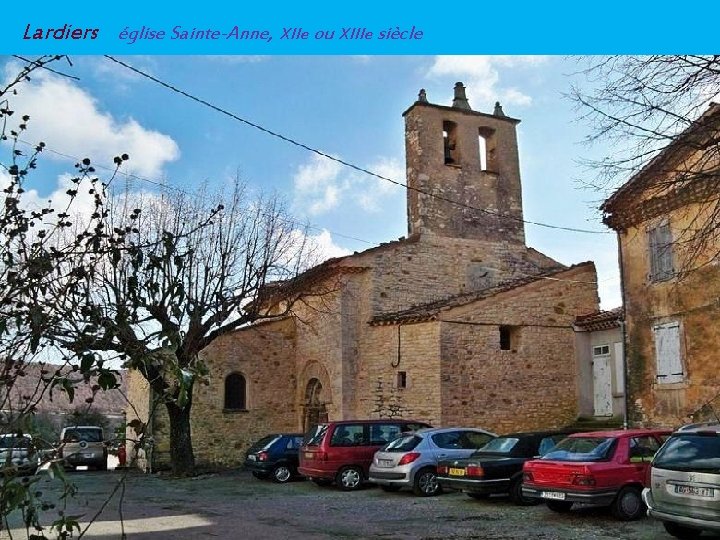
(607, 468)
(343, 451)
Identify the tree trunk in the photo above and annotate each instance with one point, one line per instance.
(181, 451)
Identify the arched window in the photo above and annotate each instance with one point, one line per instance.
(235, 392)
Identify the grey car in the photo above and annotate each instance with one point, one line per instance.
(16, 452)
(411, 460)
(684, 490)
(83, 445)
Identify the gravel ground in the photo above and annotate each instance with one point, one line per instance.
(235, 505)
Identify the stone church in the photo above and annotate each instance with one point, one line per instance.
(459, 323)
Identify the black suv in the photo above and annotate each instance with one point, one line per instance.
(275, 456)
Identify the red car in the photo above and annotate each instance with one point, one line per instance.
(608, 468)
(343, 451)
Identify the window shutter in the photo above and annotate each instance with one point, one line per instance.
(661, 256)
(667, 353)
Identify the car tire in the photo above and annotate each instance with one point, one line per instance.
(281, 474)
(628, 505)
(561, 507)
(349, 478)
(478, 496)
(426, 483)
(516, 494)
(680, 531)
(390, 489)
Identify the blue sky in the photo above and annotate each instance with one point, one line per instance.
(347, 106)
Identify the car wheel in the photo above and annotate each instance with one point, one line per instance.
(628, 504)
(478, 496)
(281, 474)
(322, 482)
(516, 494)
(679, 531)
(426, 483)
(390, 489)
(349, 478)
(560, 507)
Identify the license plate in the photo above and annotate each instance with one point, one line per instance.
(553, 495)
(694, 491)
(251, 457)
(309, 455)
(385, 462)
(456, 472)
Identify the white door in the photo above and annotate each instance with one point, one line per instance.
(602, 386)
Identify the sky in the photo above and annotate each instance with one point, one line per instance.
(349, 107)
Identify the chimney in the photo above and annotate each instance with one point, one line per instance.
(460, 100)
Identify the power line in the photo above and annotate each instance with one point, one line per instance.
(336, 159)
(180, 190)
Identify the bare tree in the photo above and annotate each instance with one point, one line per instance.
(657, 114)
(180, 270)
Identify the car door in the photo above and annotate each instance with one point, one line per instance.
(449, 445)
(640, 453)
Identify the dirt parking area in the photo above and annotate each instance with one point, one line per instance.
(236, 505)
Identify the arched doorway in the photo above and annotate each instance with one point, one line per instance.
(315, 411)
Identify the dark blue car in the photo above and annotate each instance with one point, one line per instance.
(275, 456)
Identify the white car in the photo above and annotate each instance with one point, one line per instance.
(17, 452)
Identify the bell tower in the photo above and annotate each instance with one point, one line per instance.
(463, 171)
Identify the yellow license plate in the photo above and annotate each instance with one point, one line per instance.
(456, 472)
(309, 455)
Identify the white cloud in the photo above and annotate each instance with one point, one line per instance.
(324, 246)
(322, 185)
(318, 185)
(481, 75)
(373, 190)
(68, 119)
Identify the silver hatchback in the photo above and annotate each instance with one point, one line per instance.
(411, 460)
(684, 490)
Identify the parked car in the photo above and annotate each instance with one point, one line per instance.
(497, 467)
(684, 490)
(607, 468)
(83, 445)
(275, 456)
(17, 453)
(411, 460)
(342, 452)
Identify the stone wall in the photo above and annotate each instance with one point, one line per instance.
(693, 301)
(265, 355)
(532, 385)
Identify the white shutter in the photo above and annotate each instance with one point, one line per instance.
(667, 353)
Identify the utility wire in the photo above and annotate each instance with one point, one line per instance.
(180, 190)
(336, 159)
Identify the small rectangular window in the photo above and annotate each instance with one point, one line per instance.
(401, 381)
(601, 350)
(661, 255)
(668, 353)
(509, 338)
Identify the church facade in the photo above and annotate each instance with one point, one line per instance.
(459, 323)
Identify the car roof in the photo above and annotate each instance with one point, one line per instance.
(619, 433)
(448, 429)
(81, 427)
(374, 421)
(529, 434)
(704, 427)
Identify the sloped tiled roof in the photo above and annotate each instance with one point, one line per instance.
(431, 311)
(27, 387)
(600, 320)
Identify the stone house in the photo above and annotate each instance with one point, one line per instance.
(458, 323)
(601, 365)
(671, 278)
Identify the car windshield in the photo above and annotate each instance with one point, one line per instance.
(690, 452)
(11, 441)
(265, 442)
(403, 444)
(582, 449)
(315, 437)
(83, 434)
(501, 445)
